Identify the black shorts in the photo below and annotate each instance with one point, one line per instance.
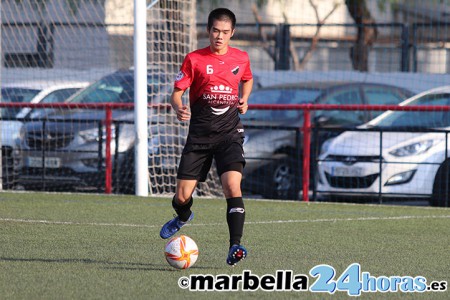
(197, 159)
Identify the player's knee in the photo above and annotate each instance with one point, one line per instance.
(182, 199)
(186, 204)
(184, 194)
(232, 189)
(231, 183)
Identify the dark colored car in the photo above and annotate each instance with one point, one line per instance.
(73, 141)
(273, 141)
(11, 117)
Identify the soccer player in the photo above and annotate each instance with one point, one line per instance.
(213, 75)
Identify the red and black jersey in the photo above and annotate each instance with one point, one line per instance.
(214, 93)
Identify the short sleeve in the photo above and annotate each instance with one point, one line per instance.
(247, 72)
(185, 76)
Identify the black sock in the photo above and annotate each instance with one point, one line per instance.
(235, 219)
(183, 211)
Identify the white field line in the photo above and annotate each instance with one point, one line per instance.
(220, 224)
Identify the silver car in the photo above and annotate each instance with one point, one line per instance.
(12, 118)
(73, 141)
(273, 139)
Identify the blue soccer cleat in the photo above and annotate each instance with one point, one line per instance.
(173, 226)
(236, 254)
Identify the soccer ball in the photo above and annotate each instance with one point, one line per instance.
(181, 252)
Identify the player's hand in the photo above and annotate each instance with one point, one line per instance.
(184, 113)
(242, 106)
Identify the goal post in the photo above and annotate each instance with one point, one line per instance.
(140, 98)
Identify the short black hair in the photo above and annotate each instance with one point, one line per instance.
(222, 14)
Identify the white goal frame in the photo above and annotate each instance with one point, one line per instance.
(140, 98)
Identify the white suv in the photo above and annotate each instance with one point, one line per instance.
(398, 154)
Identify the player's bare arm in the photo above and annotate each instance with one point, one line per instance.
(182, 111)
(246, 90)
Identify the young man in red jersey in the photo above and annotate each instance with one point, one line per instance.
(213, 75)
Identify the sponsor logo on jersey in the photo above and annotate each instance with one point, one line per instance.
(221, 89)
(220, 111)
(235, 70)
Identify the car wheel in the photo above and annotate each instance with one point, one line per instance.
(441, 186)
(283, 180)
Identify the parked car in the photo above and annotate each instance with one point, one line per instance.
(410, 159)
(73, 141)
(12, 118)
(273, 143)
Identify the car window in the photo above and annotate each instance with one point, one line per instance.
(279, 96)
(420, 118)
(338, 117)
(110, 89)
(104, 90)
(115, 88)
(381, 96)
(16, 95)
(344, 96)
(57, 96)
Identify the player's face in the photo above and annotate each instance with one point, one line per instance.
(219, 36)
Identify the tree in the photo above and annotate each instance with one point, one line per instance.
(299, 62)
(366, 33)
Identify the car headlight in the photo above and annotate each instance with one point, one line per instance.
(92, 135)
(413, 149)
(400, 178)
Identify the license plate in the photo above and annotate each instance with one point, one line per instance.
(346, 172)
(49, 162)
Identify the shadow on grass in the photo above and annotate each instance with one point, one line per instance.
(116, 265)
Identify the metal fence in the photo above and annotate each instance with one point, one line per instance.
(45, 159)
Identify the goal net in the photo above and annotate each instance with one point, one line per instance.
(51, 50)
(171, 34)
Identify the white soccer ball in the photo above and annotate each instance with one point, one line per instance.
(181, 252)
